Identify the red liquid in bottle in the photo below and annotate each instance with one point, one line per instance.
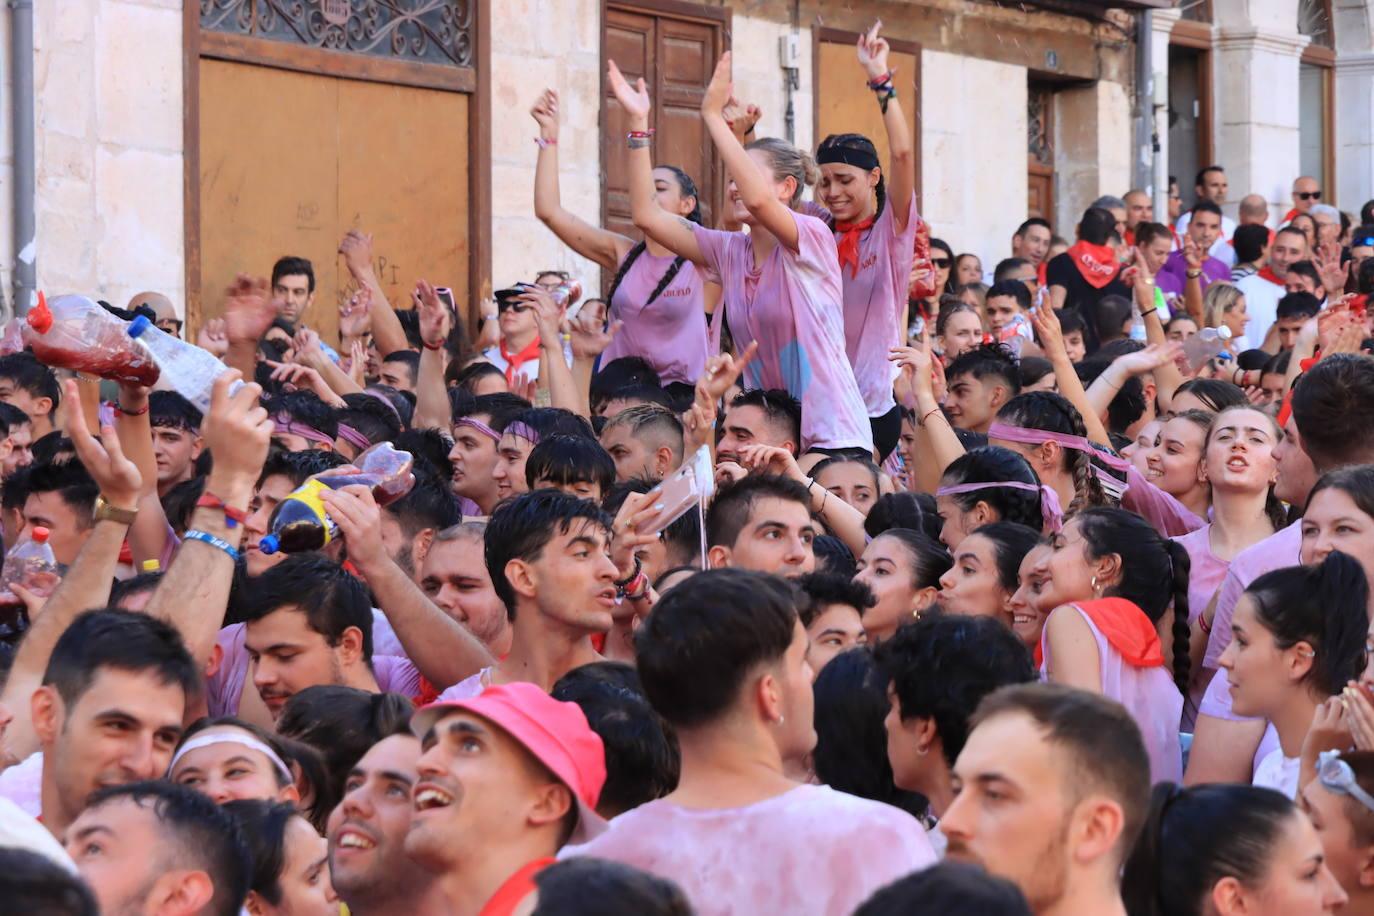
(76, 333)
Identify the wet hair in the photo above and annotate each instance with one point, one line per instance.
(993, 464)
(193, 832)
(263, 824)
(621, 373)
(122, 641)
(331, 598)
(1127, 406)
(124, 589)
(71, 482)
(35, 884)
(1250, 241)
(171, 410)
(1154, 570)
(1276, 363)
(987, 361)
(954, 308)
(1197, 836)
(340, 724)
(31, 376)
(1014, 289)
(948, 888)
(403, 402)
(779, 408)
(430, 504)
(564, 460)
(733, 505)
(500, 408)
(298, 467)
(1070, 321)
(1097, 226)
(1248, 359)
(851, 739)
(1298, 305)
(643, 761)
(467, 377)
(929, 558)
(1333, 406)
(864, 462)
(642, 395)
(1010, 543)
(826, 589)
(1033, 369)
(369, 416)
(10, 417)
(903, 509)
(289, 266)
(1112, 313)
(1102, 749)
(687, 188)
(706, 635)
(833, 556)
(1217, 394)
(306, 408)
(554, 421)
(1325, 606)
(1052, 412)
(588, 886)
(681, 539)
(941, 667)
(520, 529)
(788, 161)
(429, 447)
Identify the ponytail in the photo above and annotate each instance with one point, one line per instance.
(1181, 564)
(788, 161)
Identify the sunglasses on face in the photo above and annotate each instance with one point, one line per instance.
(1309, 195)
(170, 325)
(942, 263)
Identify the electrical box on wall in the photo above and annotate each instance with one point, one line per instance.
(789, 52)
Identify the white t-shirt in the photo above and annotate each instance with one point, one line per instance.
(1261, 305)
(1279, 772)
(529, 370)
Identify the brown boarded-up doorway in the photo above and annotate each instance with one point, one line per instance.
(845, 105)
(290, 146)
(674, 47)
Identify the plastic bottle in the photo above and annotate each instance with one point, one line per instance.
(1205, 344)
(75, 333)
(300, 522)
(12, 337)
(31, 563)
(186, 369)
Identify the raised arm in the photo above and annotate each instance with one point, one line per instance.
(356, 249)
(1193, 257)
(918, 365)
(431, 397)
(149, 534)
(554, 371)
(673, 232)
(1051, 337)
(1104, 389)
(755, 190)
(592, 242)
(901, 166)
(1167, 376)
(443, 649)
(248, 312)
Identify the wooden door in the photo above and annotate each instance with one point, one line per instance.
(845, 105)
(1040, 152)
(676, 54)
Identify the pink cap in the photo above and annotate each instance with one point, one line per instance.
(556, 733)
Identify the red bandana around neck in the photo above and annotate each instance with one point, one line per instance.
(1268, 274)
(849, 243)
(515, 360)
(1127, 628)
(1097, 263)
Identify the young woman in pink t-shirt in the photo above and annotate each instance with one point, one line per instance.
(659, 298)
(780, 282)
(873, 216)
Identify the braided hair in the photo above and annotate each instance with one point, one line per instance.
(863, 144)
(688, 188)
(1053, 413)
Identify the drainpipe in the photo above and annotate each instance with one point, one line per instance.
(21, 56)
(1142, 174)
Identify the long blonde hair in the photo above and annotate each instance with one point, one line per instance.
(1219, 299)
(788, 161)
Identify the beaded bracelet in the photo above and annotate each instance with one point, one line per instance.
(206, 537)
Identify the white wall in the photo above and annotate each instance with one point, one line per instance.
(109, 144)
(759, 78)
(6, 166)
(973, 152)
(563, 51)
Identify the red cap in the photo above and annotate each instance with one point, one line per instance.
(554, 732)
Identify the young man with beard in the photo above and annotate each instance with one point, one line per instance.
(1051, 790)
(368, 864)
(476, 434)
(548, 555)
(644, 441)
(723, 659)
(759, 417)
(454, 576)
(410, 523)
(505, 780)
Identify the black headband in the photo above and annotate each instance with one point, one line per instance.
(847, 155)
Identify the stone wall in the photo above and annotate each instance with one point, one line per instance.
(1093, 148)
(759, 78)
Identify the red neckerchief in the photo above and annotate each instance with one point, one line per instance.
(515, 360)
(1268, 274)
(1040, 273)
(1097, 263)
(515, 889)
(1288, 217)
(1130, 237)
(849, 243)
(1128, 630)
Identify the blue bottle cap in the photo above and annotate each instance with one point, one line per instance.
(268, 544)
(139, 325)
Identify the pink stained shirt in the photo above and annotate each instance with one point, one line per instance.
(1162, 510)
(1205, 575)
(791, 305)
(811, 850)
(668, 333)
(1149, 695)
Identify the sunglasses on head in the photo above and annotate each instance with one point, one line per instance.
(1309, 195)
(941, 262)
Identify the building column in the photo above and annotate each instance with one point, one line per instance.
(1161, 29)
(1354, 111)
(1257, 111)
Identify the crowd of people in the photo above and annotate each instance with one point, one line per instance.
(811, 570)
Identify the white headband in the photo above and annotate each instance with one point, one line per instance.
(207, 738)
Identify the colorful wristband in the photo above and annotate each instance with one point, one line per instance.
(232, 517)
(206, 537)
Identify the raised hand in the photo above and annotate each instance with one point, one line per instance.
(118, 478)
(917, 365)
(1192, 254)
(248, 312)
(767, 459)
(722, 372)
(357, 361)
(1150, 358)
(545, 112)
(720, 93)
(742, 118)
(1327, 260)
(356, 249)
(237, 431)
(435, 319)
(588, 338)
(698, 428)
(213, 337)
(626, 537)
(355, 315)
(635, 100)
(1049, 332)
(873, 51)
(354, 509)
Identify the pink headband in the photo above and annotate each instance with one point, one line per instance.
(1038, 436)
(1051, 514)
(353, 437)
(523, 431)
(283, 424)
(385, 400)
(481, 427)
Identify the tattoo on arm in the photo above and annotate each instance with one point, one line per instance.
(685, 222)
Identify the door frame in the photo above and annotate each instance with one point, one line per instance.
(1197, 36)
(474, 82)
(902, 45)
